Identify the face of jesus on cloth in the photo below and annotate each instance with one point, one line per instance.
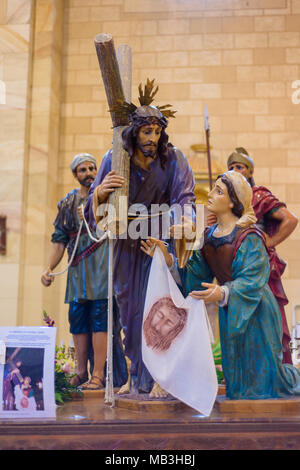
(163, 324)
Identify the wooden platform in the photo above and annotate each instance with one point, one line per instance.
(278, 405)
(142, 402)
(138, 402)
(89, 424)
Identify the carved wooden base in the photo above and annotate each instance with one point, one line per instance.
(142, 402)
(249, 407)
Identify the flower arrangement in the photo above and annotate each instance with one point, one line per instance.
(64, 367)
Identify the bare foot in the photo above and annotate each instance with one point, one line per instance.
(125, 389)
(158, 392)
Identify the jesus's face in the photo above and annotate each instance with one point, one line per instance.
(147, 139)
(164, 320)
(163, 324)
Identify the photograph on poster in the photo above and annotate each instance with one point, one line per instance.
(23, 379)
(27, 372)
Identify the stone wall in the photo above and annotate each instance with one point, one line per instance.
(239, 57)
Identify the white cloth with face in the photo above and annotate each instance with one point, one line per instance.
(185, 368)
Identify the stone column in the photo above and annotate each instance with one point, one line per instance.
(14, 59)
(40, 194)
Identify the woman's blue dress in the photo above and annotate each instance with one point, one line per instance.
(250, 325)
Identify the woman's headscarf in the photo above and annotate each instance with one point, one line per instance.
(244, 193)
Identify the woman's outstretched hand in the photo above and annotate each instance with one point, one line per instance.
(148, 246)
(213, 293)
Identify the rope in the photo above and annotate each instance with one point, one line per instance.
(104, 236)
(109, 388)
(133, 216)
(73, 253)
(83, 221)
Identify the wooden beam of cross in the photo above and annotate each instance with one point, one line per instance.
(110, 67)
(117, 217)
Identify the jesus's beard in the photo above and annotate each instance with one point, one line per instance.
(148, 150)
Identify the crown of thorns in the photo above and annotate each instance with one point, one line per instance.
(146, 97)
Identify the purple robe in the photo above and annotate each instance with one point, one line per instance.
(172, 185)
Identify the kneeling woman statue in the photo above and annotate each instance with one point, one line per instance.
(234, 253)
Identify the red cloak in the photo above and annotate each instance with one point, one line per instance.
(264, 203)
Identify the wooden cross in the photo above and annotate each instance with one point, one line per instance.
(111, 66)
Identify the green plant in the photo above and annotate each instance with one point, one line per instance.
(217, 354)
(64, 390)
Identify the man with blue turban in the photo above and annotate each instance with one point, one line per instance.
(86, 291)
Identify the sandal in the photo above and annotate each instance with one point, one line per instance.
(76, 380)
(95, 383)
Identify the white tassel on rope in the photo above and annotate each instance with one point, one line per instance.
(109, 388)
(124, 59)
